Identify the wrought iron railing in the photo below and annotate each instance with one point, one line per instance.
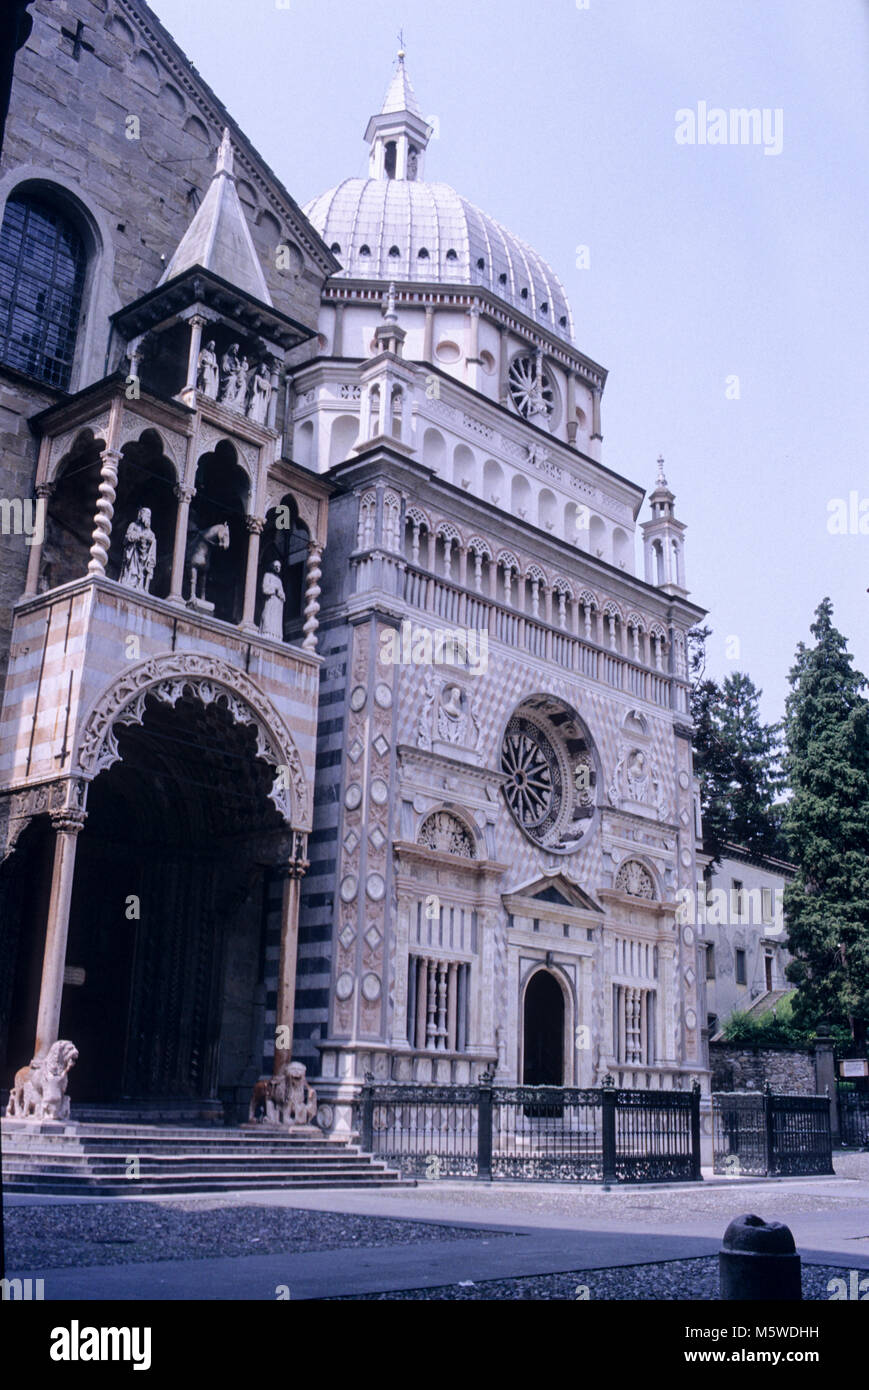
(533, 1133)
(761, 1134)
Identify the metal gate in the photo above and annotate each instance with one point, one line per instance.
(761, 1134)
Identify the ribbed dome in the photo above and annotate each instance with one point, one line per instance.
(408, 229)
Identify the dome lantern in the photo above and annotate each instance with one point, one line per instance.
(398, 134)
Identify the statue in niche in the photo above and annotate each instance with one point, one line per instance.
(412, 162)
(140, 553)
(260, 392)
(271, 623)
(451, 718)
(207, 373)
(199, 561)
(230, 367)
(240, 400)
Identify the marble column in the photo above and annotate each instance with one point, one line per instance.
(338, 334)
(503, 388)
(197, 323)
(34, 557)
(184, 496)
(67, 825)
(571, 409)
(286, 1002)
(254, 526)
(428, 334)
(595, 413)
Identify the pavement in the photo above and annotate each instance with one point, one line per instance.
(534, 1229)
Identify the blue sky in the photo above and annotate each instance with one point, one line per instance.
(706, 262)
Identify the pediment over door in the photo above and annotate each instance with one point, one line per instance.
(552, 892)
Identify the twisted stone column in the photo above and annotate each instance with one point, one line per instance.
(105, 511)
(312, 597)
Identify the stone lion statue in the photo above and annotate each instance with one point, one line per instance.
(286, 1099)
(39, 1091)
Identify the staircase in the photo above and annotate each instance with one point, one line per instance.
(107, 1159)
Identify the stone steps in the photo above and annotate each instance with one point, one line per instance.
(93, 1160)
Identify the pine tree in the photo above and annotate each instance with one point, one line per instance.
(736, 759)
(827, 828)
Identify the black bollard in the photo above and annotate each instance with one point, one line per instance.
(758, 1260)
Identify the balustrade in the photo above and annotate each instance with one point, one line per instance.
(461, 607)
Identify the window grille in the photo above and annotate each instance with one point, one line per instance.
(42, 270)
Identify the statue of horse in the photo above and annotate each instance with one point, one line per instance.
(199, 556)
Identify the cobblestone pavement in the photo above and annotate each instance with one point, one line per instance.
(72, 1235)
(668, 1281)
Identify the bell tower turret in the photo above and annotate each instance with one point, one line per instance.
(398, 134)
(664, 539)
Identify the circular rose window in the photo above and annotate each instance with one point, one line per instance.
(549, 775)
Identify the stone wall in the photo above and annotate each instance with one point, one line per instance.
(787, 1070)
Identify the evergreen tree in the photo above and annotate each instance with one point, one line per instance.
(736, 759)
(827, 828)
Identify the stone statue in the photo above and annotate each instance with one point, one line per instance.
(271, 623)
(230, 366)
(207, 374)
(295, 1101)
(39, 1091)
(240, 399)
(260, 392)
(285, 1099)
(451, 718)
(199, 561)
(140, 553)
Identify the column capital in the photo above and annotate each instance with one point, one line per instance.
(184, 494)
(69, 821)
(45, 489)
(255, 525)
(110, 457)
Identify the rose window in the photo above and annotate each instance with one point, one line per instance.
(531, 390)
(549, 777)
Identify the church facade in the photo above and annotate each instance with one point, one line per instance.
(337, 721)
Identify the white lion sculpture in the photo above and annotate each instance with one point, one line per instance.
(39, 1091)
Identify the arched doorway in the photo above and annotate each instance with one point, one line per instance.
(172, 912)
(543, 1031)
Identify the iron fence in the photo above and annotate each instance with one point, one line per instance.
(761, 1134)
(533, 1133)
(853, 1098)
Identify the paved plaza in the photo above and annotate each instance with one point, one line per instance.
(439, 1240)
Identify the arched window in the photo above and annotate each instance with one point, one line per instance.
(42, 272)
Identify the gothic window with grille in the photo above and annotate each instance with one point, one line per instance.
(42, 272)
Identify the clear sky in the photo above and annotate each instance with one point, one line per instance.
(706, 262)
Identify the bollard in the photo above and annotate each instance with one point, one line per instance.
(758, 1260)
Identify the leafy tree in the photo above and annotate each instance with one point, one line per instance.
(736, 759)
(827, 828)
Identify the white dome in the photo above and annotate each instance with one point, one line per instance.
(407, 229)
